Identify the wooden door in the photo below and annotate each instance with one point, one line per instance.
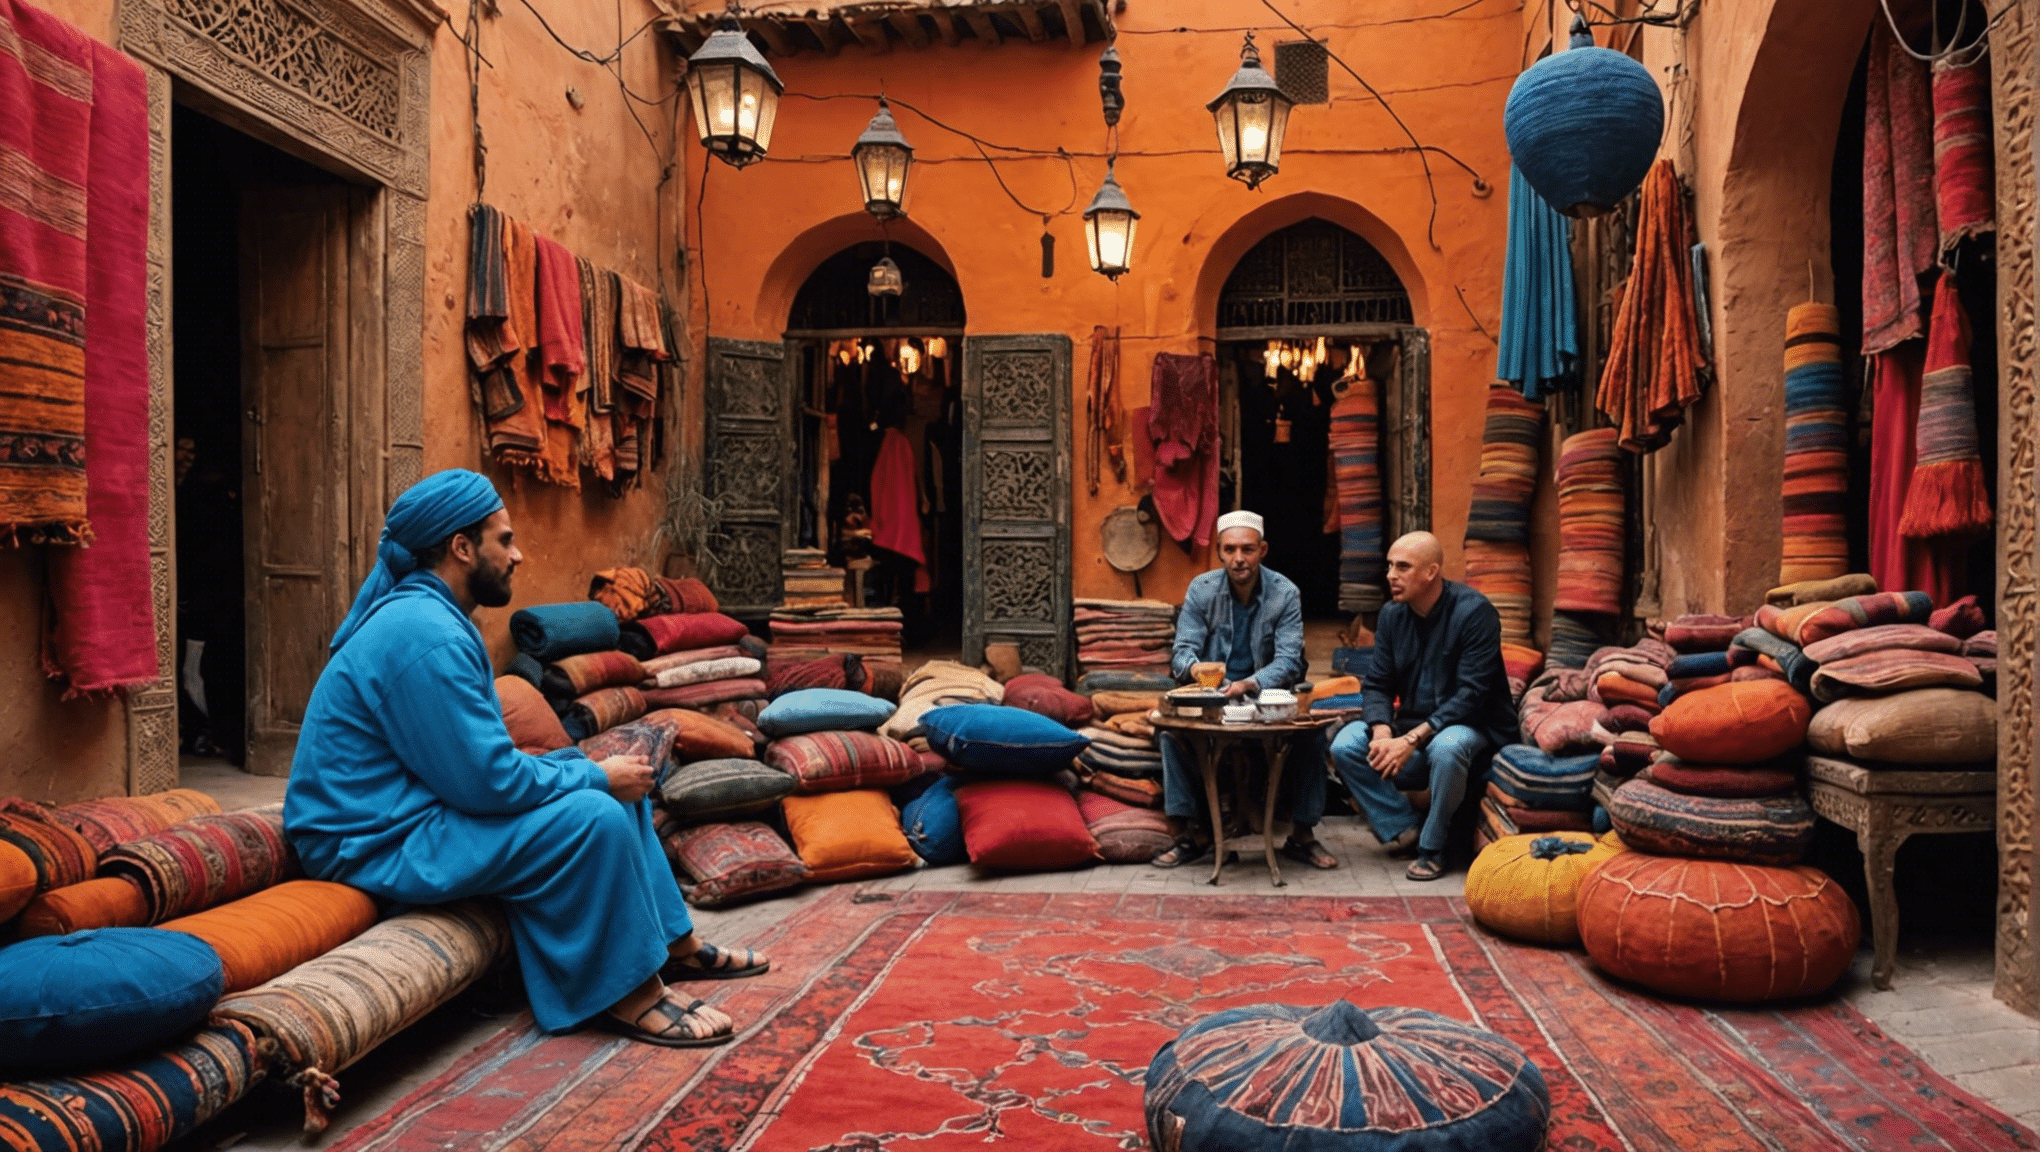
(749, 472)
(295, 452)
(1016, 492)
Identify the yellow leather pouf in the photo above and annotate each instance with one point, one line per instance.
(1527, 886)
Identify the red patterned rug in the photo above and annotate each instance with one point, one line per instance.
(936, 1020)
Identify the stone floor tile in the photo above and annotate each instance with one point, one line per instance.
(2006, 1087)
(1957, 1020)
(1977, 1052)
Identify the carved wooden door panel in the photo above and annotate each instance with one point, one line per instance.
(1409, 447)
(1016, 489)
(295, 452)
(749, 472)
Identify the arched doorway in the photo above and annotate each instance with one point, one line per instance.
(1304, 311)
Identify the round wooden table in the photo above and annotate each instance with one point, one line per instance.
(1208, 741)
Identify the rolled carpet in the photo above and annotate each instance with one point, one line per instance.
(601, 710)
(115, 820)
(137, 1107)
(260, 937)
(1764, 830)
(550, 632)
(202, 862)
(326, 1013)
(1816, 544)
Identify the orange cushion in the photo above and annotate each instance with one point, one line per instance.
(534, 726)
(848, 835)
(1024, 824)
(1742, 722)
(17, 880)
(108, 902)
(1715, 930)
(704, 737)
(261, 937)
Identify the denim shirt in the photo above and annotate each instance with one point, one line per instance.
(1204, 628)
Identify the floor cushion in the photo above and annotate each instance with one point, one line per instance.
(1538, 780)
(105, 902)
(1713, 930)
(1703, 633)
(1561, 729)
(1339, 1077)
(575, 676)
(1135, 790)
(735, 666)
(676, 632)
(17, 880)
(260, 937)
(731, 862)
(1630, 753)
(934, 825)
(1889, 670)
(1914, 636)
(1924, 726)
(995, 739)
(1864, 611)
(839, 761)
(1045, 695)
(1719, 780)
(1126, 833)
(723, 789)
(83, 999)
(848, 835)
(1526, 886)
(822, 710)
(697, 736)
(1758, 830)
(549, 632)
(1118, 703)
(1737, 723)
(1024, 825)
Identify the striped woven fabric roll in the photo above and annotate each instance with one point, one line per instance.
(1356, 465)
(114, 821)
(1502, 573)
(144, 1104)
(1948, 495)
(1816, 447)
(1498, 522)
(1573, 641)
(1965, 188)
(1590, 513)
(202, 862)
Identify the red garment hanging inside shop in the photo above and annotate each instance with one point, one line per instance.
(896, 504)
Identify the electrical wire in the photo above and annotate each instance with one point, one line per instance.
(1968, 53)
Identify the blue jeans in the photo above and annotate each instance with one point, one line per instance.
(1302, 794)
(1442, 765)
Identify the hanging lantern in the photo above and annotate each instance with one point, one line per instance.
(885, 279)
(735, 95)
(1252, 115)
(882, 157)
(1109, 225)
(1583, 125)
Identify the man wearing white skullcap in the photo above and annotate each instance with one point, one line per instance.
(1250, 618)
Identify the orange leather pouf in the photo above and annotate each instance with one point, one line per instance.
(1713, 930)
(260, 937)
(1527, 886)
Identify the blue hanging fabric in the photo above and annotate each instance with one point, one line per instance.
(1540, 345)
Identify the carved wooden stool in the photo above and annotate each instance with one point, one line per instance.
(1884, 806)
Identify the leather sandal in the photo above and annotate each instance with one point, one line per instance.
(1184, 851)
(678, 1027)
(1426, 868)
(1310, 852)
(712, 963)
(1404, 845)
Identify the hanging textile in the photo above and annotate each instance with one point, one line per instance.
(101, 631)
(1540, 332)
(644, 350)
(598, 382)
(1355, 441)
(46, 85)
(1182, 424)
(562, 358)
(1898, 193)
(1948, 495)
(1816, 486)
(1965, 183)
(1498, 521)
(1930, 566)
(1654, 363)
(896, 504)
(1105, 410)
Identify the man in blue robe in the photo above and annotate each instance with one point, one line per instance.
(406, 785)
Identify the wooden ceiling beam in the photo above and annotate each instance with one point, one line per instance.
(824, 29)
(772, 34)
(981, 24)
(945, 27)
(908, 24)
(1030, 19)
(870, 33)
(1073, 22)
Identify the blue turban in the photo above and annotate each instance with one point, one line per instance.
(426, 514)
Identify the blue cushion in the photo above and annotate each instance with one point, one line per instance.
(551, 632)
(1340, 1079)
(83, 999)
(994, 739)
(934, 826)
(822, 710)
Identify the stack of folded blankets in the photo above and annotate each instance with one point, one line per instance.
(597, 671)
(1124, 760)
(1590, 529)
(1130, 636)
(870, 634)
(1909, 684)
(1498, 522)
(1530, 790)
(1355, 442)
(807, 580)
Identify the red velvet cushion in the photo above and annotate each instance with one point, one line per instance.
(1047, 696)
(1024, 825)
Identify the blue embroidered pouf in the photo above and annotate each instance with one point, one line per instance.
(1342, 1079)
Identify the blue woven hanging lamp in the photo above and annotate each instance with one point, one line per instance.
(1583, 125)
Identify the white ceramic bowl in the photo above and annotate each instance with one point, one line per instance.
(1240, 713)
(1275, 711)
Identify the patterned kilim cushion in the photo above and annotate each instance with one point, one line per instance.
(1861, 640)
(1340, 1079)
(1763, 830)
(1890, 670)
(1125, 834)
(724, 789)
(840, 761)
(731, 862)
(58, 853)
(146, 1104)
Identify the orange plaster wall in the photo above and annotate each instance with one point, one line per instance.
(769, 225)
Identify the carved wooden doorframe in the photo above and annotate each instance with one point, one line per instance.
(347, 85)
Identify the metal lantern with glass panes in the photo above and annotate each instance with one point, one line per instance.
(1109, 225)
(882, 157)
(885, 279)
(1252, 115)
(735, 95)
